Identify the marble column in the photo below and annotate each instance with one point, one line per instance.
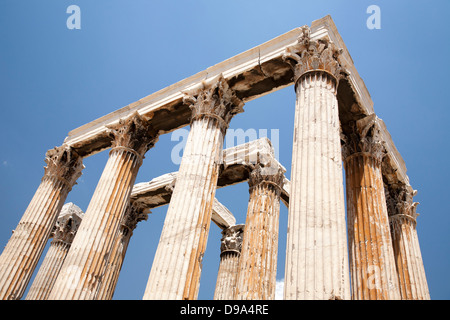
(176, 269)
(257, 272)
(372, 264)
(135, 213)
(407, 253)
(316, 249)
(25, 247)
(63, 233)
(230, 251)
(83, 271)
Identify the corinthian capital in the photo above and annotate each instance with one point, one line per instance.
(364, 138)
(232, 239)
(216, 100)
(133, 133)
(313, 55)
(269, 174)
(64, 164)
(400, 201)
(67, 224)
(135, 213)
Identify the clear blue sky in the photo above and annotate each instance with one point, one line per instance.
(53, 80)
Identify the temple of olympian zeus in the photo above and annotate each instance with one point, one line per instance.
(371, 251)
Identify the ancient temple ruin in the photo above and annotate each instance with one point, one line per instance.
(368, 251)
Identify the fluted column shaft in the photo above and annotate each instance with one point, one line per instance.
(176, 269)
(257, 270)
(405, 241)
(411, 271)
(49, 270)
(316, 249)
(372, 265)
(63, 234)
(133, 215)
(25, 247)
(371, 256)
(229, 260)
(82, 274)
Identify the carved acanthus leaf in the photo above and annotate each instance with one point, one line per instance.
(232, 238)
(67, 223)
(136, 212)
(134, 132)
(64, 164)
(310, 55)
(271, 173)
(215, 99)
(399, 200)
(365, 137)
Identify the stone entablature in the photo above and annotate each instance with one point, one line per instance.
(247, 74)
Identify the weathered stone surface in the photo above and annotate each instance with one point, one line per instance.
(256, 279)
(310, 55)
(251, 74)
(176, 269)
(230, 251)
(237, 162)
(316, 249)
(216, 100)
(82, 273)
(133, 215)
(316, 60)
(63, 233)
(24, 248)
(372, 264)
(407, 253)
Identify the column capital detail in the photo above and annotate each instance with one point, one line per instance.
(365, 139)
(63, 164)
(133, 133)
(309, 55)
(136, 212)
(272, 174)
(399, 201)
(67, 223)
(399, 219)
(216, 100)
(232, 239)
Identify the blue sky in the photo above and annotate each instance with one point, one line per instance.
(53, 80)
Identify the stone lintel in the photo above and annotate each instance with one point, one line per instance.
(237, 163)
(158, 192)
(251, 74)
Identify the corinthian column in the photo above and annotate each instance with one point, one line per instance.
(257, 272)
(84, 269)
(134, 214)
(316, 249)
(176, 268)
(24, 248)
(408, 258)
(230, 251)
(372, 264)
(63, 233)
